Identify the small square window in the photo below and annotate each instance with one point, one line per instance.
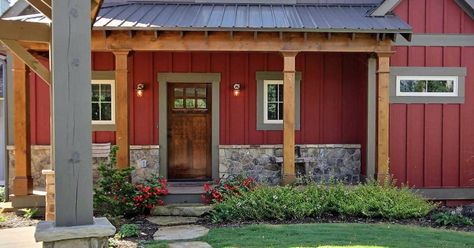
(103, 106)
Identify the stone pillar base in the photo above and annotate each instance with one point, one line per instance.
(92, 236)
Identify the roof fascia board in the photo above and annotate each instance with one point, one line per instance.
(467, 6)
(385, 7)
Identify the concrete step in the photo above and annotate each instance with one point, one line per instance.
(184, 192)
(192, 210)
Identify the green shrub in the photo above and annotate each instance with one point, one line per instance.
(289, 203)
(2, 218)
(30, 213)
(2, 194)
(451, 219)
(127, 231)
(115, 195)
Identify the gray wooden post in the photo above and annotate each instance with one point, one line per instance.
(71, 111)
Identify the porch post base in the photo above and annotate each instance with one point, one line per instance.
(288, 179)
(94, 236)
(23, 185)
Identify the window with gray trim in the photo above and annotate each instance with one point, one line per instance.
(270, 100)
(427, 84)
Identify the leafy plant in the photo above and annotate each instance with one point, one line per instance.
(127, 231)
(370, 200)
(30, 213)
(451, 219)
(116, 195)
(2, 218)
(2, 194)
(230, 186)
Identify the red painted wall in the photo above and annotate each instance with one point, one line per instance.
(333, 96)
(432, 145)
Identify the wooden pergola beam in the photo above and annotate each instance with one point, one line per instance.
(47, 2)
(95, 8)
(42, 7)
(34, 64)
(25, 31)
(240, 41)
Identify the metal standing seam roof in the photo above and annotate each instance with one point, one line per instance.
(315, 17)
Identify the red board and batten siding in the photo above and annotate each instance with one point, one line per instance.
(333, 96)
(432, 145)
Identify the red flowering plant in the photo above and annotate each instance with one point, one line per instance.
(149, 193)
(230, 186)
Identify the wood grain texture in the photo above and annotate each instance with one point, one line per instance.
(71, 100)
(122, 108)
(289, 79)
(25, 31)
(23, 182)
(383, 111)
(42, 7)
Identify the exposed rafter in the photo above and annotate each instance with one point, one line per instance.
(42, 7)
(95, 8)
(25, 31)
(34, 64)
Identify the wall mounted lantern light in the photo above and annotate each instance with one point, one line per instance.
(140, 88)
(236, 88)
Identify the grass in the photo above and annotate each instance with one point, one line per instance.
(335, 235)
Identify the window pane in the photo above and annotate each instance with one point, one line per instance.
(178, 103)
(106, 111)
(190, 92)
(280, 92)
(280, 111)
(201, 103)
(95, 92)
(272, 111)
(272, 92)
(412, 85)
(178, 92)
(440, 86)
(95, 112)
(201, 92)
(190, 103)
(105, 92)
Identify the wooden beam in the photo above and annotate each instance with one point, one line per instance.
(383, 112)
(23, 182)
(16, 48)
(25, 31)
(71, 112)
(42, 7)
(95, 8)
(289, 79)
(47, 2)
(121, 108)
(222, 41)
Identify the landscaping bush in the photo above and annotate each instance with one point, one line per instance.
(451, 219)
(290, 203)
(115, 195)
(224, 188)
(127, 231)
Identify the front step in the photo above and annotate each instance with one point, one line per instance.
(184, 192)
(188, 210)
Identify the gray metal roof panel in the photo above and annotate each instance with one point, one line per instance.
(321, 17)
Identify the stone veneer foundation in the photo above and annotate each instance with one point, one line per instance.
(320, 163)
(41, 160)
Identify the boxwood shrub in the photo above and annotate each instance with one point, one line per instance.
(370, 200)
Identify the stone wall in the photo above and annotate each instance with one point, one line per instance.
(320, 163)
(41, 160)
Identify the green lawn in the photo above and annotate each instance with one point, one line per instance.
(336, 235)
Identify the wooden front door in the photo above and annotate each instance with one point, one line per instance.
(189, 131)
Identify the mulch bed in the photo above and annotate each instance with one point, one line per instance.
(13, 221)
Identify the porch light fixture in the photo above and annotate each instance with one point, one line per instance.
(140, 88)
(236, 87)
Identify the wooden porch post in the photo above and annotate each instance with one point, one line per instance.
(383, 77)
(71, 112)
(23, 182)
(289, 79)
(121, 109)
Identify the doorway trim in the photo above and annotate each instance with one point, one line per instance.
(163, 80)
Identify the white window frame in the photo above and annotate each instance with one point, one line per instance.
(265, 101)
(455, 80)
(112, 92)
